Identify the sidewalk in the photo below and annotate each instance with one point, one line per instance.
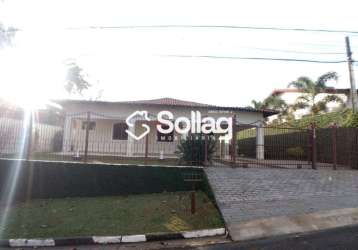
(252, 198)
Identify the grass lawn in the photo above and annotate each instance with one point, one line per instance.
(117, 215)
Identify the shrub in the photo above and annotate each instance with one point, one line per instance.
(192, 149)
(295, 152)
(351, 120)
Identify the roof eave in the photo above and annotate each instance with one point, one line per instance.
(266, 112)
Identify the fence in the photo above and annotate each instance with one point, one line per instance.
(333, 147)
(92, 137)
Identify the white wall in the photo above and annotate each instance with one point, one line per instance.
(12, 136)
(106, 114)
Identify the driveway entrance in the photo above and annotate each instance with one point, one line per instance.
(250, 194)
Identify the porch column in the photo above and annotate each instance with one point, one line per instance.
(66, 139)
(260, 142)
(130, 141)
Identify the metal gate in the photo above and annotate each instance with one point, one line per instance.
(285, 147)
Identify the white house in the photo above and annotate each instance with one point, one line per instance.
(107, 126)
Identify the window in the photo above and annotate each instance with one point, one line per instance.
(165, 137)
(91, 125)
(119, 131)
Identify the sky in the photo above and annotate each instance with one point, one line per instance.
(134, 63)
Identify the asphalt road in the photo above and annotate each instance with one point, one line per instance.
(337, 239)
(343, 239)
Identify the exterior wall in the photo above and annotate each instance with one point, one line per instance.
(12, 136)
(43, 137)
(100, 139)
(106, 114)
(155, 148)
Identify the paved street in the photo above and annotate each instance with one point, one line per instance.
(336, 239)
(251, 194)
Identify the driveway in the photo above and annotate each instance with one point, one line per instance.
(250, 194)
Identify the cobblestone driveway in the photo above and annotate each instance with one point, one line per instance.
(248, 194)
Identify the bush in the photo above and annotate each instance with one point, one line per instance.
(192, 150)
(351, 120)
(295, 152)
(57, 141)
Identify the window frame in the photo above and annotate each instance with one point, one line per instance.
(125, 127)
(92, 124)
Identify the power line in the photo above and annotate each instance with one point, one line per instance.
(353, 32)
(255, 58)
(296, 51)
(215, 27)
(229, 27)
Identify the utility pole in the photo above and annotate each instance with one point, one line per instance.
(351, 75)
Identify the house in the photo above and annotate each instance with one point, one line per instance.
(107, 126)
(13, 132)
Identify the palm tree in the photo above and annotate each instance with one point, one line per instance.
(274, 102)
(277, 103)
(311, 89)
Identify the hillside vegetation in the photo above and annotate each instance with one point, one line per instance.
(344, 118)
(321, 121)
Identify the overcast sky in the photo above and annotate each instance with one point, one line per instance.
(131, 64)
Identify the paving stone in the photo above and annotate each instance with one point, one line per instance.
(249, 194)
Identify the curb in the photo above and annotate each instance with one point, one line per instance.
(111, 239)
(296, 224)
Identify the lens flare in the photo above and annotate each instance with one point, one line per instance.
(7, 196)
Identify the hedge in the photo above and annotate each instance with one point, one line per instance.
(41, 179)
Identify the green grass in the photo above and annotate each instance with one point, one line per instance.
(119, 215)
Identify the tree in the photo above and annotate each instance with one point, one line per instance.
(257, 104)
(6, 35)
(311, 89)
(75, 81)
(274, 102)
(277, 103)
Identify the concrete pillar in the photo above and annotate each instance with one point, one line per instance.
(130, 142)
(66, 139)
(260, 142)
(221, 150)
